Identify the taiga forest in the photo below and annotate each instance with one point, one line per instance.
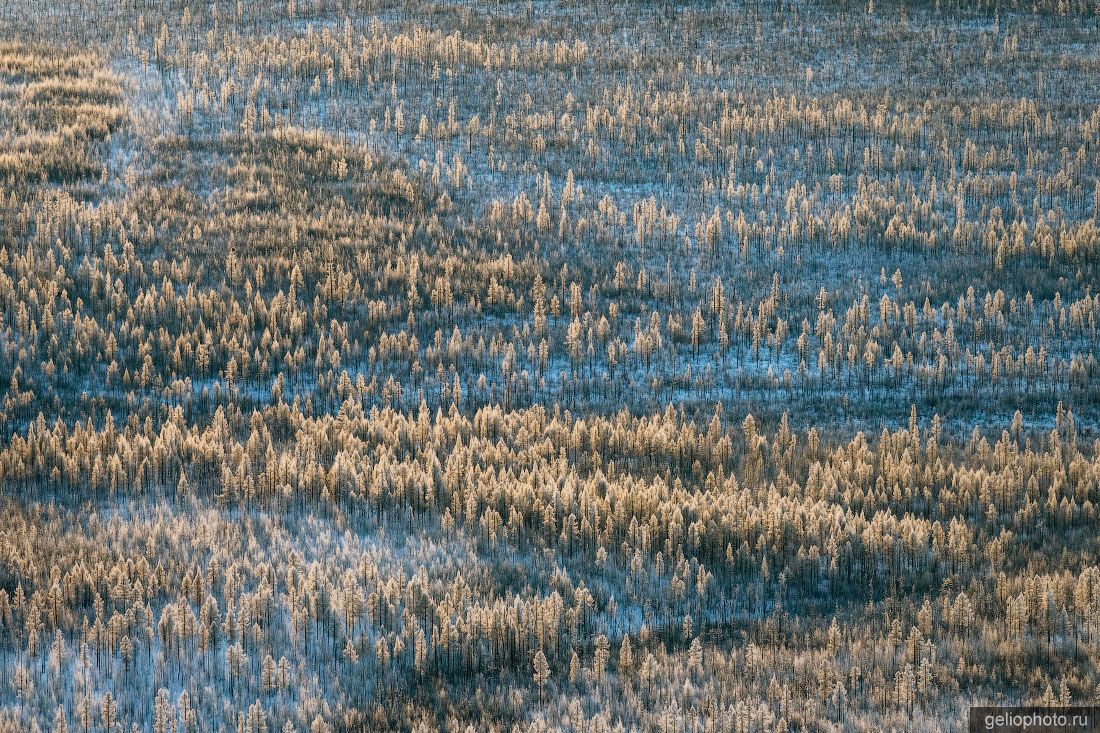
(547, 366)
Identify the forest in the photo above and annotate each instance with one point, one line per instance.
(545, 366)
